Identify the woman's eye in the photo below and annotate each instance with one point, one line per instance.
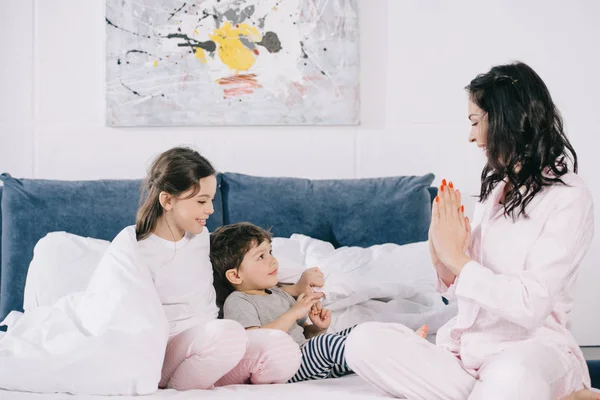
(260, 257)
(202, 202)
(475, 124)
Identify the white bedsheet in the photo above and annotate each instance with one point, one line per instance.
(348, 387)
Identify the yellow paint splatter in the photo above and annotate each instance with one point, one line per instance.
(155, 63)
(232, 51)
(196, 32)
(200, 54)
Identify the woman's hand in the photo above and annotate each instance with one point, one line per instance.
(450, 230)
(443, 272)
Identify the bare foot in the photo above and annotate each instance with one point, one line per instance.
(584, 394)
(422, 331)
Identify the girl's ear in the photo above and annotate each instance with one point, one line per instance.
(165, 200)
(233, 276)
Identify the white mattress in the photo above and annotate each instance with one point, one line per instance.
(348, 387)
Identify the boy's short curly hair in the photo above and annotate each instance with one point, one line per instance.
(228, 246)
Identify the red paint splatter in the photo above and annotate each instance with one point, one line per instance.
(240, 85)
(256, 52)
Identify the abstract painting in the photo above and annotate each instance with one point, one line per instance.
(232, 62)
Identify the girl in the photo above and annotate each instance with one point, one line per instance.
(512, 274)
(173, 243)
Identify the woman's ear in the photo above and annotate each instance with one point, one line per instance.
(233, 276)
(165, 200)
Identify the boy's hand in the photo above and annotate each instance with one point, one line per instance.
(310, 278)
(304, 304)
(320, 317)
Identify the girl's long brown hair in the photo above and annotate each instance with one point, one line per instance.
(175, 171)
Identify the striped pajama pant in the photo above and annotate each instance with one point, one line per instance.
(323, 357)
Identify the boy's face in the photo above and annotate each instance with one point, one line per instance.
(258, 270)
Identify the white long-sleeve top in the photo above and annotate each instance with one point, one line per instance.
(519, 284)
(183, 277)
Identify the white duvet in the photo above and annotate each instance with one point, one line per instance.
(110, 338)
(388, 282)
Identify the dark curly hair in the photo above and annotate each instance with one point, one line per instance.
(526, 142)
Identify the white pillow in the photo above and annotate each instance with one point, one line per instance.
(62, 264)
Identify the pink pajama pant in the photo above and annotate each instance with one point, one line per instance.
(222, 352)
(393, 358)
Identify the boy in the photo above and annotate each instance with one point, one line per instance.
(244, 266)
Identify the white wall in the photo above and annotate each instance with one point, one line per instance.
(416, 58)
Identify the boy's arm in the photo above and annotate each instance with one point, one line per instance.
(283, 323)
(312, 277)
(239, 309)
(300, 308)
(290, 289)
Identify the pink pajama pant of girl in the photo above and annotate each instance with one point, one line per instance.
(393, 358)
(222, 352)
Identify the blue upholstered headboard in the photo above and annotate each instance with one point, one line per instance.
(358, 212)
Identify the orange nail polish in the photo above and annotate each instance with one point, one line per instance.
(437, 199)
(462, 209)
(451, 185)
(443, 182)
(442, 188)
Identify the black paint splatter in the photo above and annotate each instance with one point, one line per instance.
(125, 30)
(302, 49)
(205, 15)
(209, 45)
(176, 11)
(142, 52)
(131, 90)
(119, 61)
(138, 94)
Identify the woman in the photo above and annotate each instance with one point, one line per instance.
(512, 274)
